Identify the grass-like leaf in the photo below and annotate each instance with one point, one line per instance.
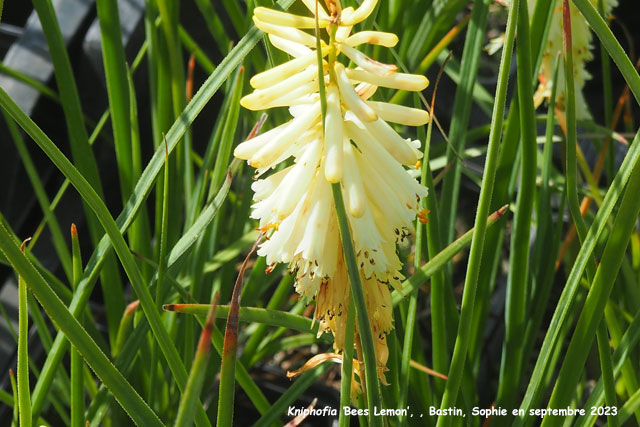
(121, 389)
(464, 328)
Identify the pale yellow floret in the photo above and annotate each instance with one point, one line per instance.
(274, 148)
(381, 196)
(381, 132)
(343, 31)
(312, 4)
(276, 17)
(288, 33)
(290, 48)
(406, 186)
(345, 17)
(334, 159)
(354, 191)
(360, 14)
(367, 63)
(410, 82)
(261, 97)
(263, 188)
(247, 149)
(387, 196)
(281, 244)
(370, 253)
(399, 113)
(366, 90)
(298, 180)
(316, 249)
(279, 73)
(351, 98)
(372, 37)
(294, 149)
(304, 94)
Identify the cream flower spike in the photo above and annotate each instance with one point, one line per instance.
(582, 47)
(358, 149)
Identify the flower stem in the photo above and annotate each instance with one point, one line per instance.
(357, 294)
(364, 328)
(321, 89)
(347, 367)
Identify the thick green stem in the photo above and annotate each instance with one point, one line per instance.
(364, 327)
(347, 367)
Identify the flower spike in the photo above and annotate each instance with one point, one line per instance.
(357, 149)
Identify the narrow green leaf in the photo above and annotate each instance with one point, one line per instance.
(77, 377)
(191, 45)
(628, 369)
(473, 267)
(631, 406)
(543, 261)
(346, 370)
(560, 316)
(602, 30)
(188, 403)
(226, 394)
(169, 14)
(518, 280)
(161, 270)
(139, 233)
(124, 330)
(228, 131)
(146, 181)
(606, 367)
(214, 24)
(121, 248)
(421, 236)
(22, 77)
(231, 252)
(24, 396)
(121, 389)
(14, 400)
(69, 98)
(461, 112)
(505, 182)
(252, 315)
(597, 296)
(620, 357)
(81, 152)
(118, 89)
(41, 194)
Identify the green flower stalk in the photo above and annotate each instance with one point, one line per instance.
(358, 149)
